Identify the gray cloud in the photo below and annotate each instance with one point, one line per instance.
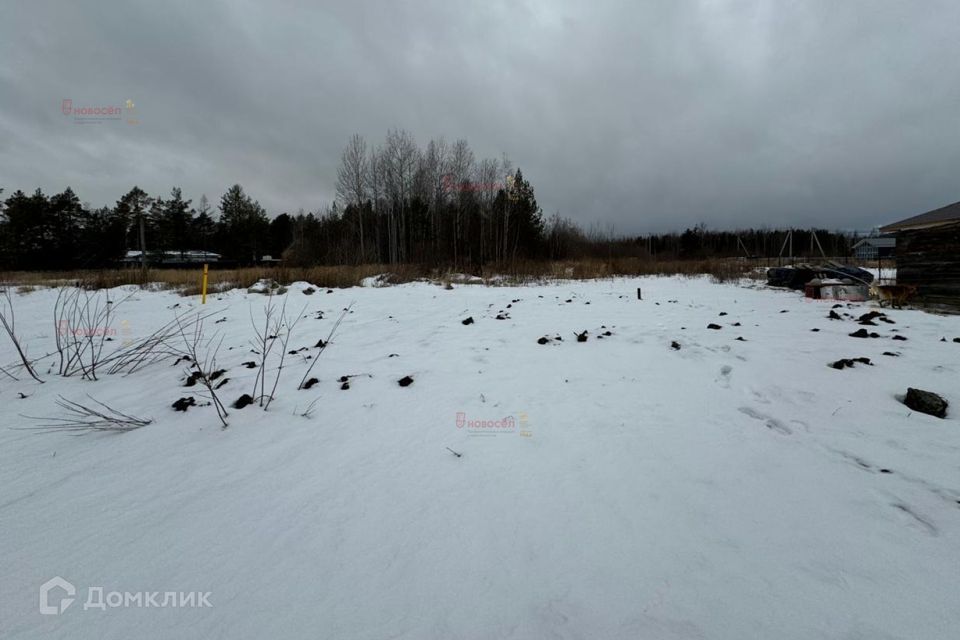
(644, 116)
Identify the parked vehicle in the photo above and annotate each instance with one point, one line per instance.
(796, 276)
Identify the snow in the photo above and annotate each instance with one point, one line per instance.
(729, 489)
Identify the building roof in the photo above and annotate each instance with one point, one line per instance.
(880, 242)
(937, 217)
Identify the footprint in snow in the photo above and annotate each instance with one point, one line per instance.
(724, 378)
(917, 519)
(768, 421)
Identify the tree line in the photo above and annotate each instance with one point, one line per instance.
(395, 202)
(38, 231)
(437, 205)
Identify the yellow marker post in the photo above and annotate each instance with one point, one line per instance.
(203, 289)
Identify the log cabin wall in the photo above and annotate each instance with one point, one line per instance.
(930, 259)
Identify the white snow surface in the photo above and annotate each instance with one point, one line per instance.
(729, 489)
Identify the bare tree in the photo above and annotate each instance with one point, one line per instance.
(400, 155)
(461, 170)
(352, 179)
(506, 167)
(376, 181)
(436, 165)
(488, 173)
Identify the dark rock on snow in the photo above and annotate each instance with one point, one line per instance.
(184, 403)
(849, 362)
(926, 402)
(243, 401)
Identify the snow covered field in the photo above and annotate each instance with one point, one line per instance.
(618, 488)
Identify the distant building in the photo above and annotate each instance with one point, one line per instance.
(875, 248)
(170, 258)
(928, 253)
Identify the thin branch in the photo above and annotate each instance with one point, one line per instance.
(8, 319)
(85, 419)
(324, 345)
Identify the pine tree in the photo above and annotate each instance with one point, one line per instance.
(63, 222)
(244, 224)
(204, 226)
(525, 231)
(24, 244)
(132, 210)
(175, 223)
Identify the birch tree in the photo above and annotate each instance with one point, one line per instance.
(352, 177)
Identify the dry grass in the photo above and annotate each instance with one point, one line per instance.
(721, 270)
(187, 281)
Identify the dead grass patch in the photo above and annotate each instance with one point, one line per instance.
(188, 281)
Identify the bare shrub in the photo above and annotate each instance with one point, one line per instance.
(277, 328)
(8, 320)
(203, 357)
(82, 418)
(323, 345)
(82, 323)
(163, 343)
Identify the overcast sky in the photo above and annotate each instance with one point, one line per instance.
(640, 115)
